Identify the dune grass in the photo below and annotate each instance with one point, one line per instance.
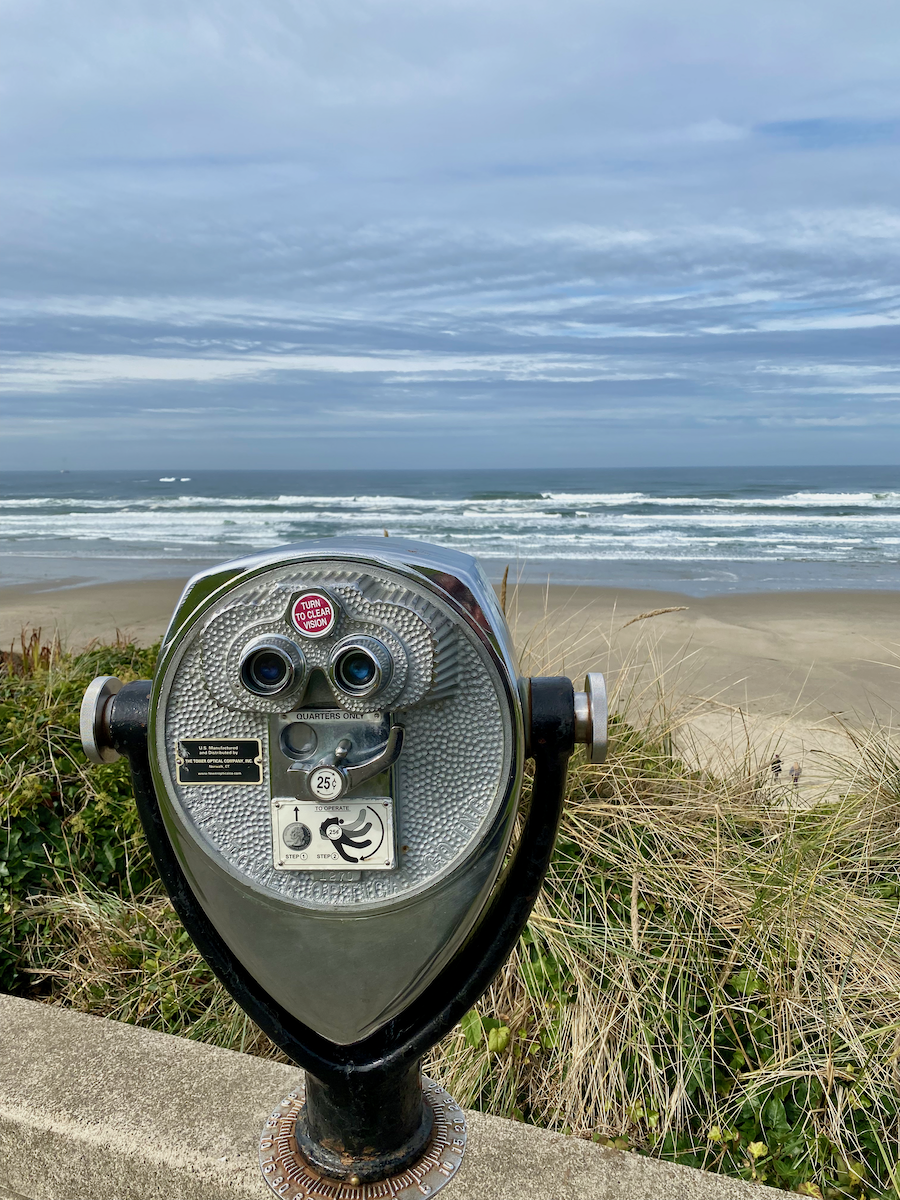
(711, 974)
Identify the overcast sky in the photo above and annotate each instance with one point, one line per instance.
(450, 233)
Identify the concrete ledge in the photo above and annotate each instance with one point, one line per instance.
(97, 1110)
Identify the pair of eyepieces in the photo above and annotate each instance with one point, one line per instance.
(273, 665)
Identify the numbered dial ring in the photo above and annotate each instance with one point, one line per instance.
(289, 1175)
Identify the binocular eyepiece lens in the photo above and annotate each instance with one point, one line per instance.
(361, 667)
(269, 667)
(356, 669)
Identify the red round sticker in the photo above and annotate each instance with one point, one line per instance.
(313, 614)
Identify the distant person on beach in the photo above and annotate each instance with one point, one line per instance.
(776, 767)
(795, 772)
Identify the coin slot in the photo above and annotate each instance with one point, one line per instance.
(299, 740)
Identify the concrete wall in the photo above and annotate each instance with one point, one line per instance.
(96, 1110)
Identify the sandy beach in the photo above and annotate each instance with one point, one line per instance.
(736, 677)
(775, 671)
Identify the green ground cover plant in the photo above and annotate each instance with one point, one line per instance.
(711, 975)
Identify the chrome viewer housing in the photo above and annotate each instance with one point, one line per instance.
(407, 665)
(328, 766)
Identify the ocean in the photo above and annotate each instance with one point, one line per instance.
(699, 531)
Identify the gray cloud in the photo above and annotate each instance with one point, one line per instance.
(565, 232)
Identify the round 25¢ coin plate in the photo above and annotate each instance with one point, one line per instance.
(289, 1175)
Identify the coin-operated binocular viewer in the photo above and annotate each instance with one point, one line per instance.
(328, 766)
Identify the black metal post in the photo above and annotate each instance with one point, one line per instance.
(369, 1127)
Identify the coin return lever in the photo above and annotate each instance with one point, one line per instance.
(330, 778)
(328, 766)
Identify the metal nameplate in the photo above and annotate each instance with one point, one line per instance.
(218, 760)
(356, 835)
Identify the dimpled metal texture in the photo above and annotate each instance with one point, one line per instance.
(403, 632)
(457, 751)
